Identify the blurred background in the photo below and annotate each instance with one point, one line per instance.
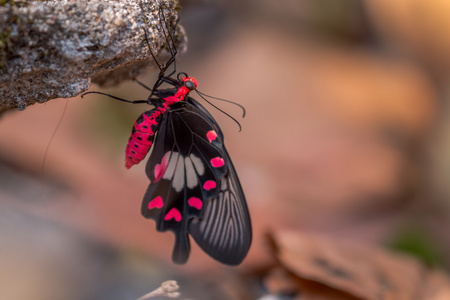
(347, 136)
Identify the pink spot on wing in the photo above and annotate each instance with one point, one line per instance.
(173, 214)
(156, 203)
(195, 202)
(210, 184)
(211, 135)
(217, 162)
(161, 168)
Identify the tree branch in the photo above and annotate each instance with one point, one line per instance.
(53, 49)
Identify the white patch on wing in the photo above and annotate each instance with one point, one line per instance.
(191, 176)
(172, 164)
(198, 164)
(183, 170)
(178, 176)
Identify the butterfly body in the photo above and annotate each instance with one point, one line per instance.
(193, 186)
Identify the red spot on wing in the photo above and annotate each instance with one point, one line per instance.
(173, 214)
(210, 184)
(161, 168)
(211, 135)
(217, 162)
(195, 202)
(156, 203)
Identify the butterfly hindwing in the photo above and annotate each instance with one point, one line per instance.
(225, 231)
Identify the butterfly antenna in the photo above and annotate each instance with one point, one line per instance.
(162, 68)
(225, 100)
(240, 127)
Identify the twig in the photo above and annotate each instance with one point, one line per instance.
(168, 289)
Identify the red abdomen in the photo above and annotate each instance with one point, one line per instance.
(142, 136)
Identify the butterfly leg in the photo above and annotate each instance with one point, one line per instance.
(142, 84)
(116, 98)
(171, 44)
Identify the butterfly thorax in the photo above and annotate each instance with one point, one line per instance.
(187, 84)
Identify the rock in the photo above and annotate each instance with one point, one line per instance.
(54, 49)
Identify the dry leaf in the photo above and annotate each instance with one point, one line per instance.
(437, 287)
(362, 271)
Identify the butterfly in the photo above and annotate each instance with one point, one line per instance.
(194, 189)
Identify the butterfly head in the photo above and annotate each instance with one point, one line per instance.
(188, 82)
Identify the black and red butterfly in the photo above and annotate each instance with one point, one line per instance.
(194, 189)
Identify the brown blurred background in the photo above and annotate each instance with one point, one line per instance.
(346, 135)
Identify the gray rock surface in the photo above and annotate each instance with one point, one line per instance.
(55, 49)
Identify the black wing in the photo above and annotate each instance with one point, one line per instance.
(194, 187)
(225, 232)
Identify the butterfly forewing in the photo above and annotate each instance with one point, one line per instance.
(196, 106)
